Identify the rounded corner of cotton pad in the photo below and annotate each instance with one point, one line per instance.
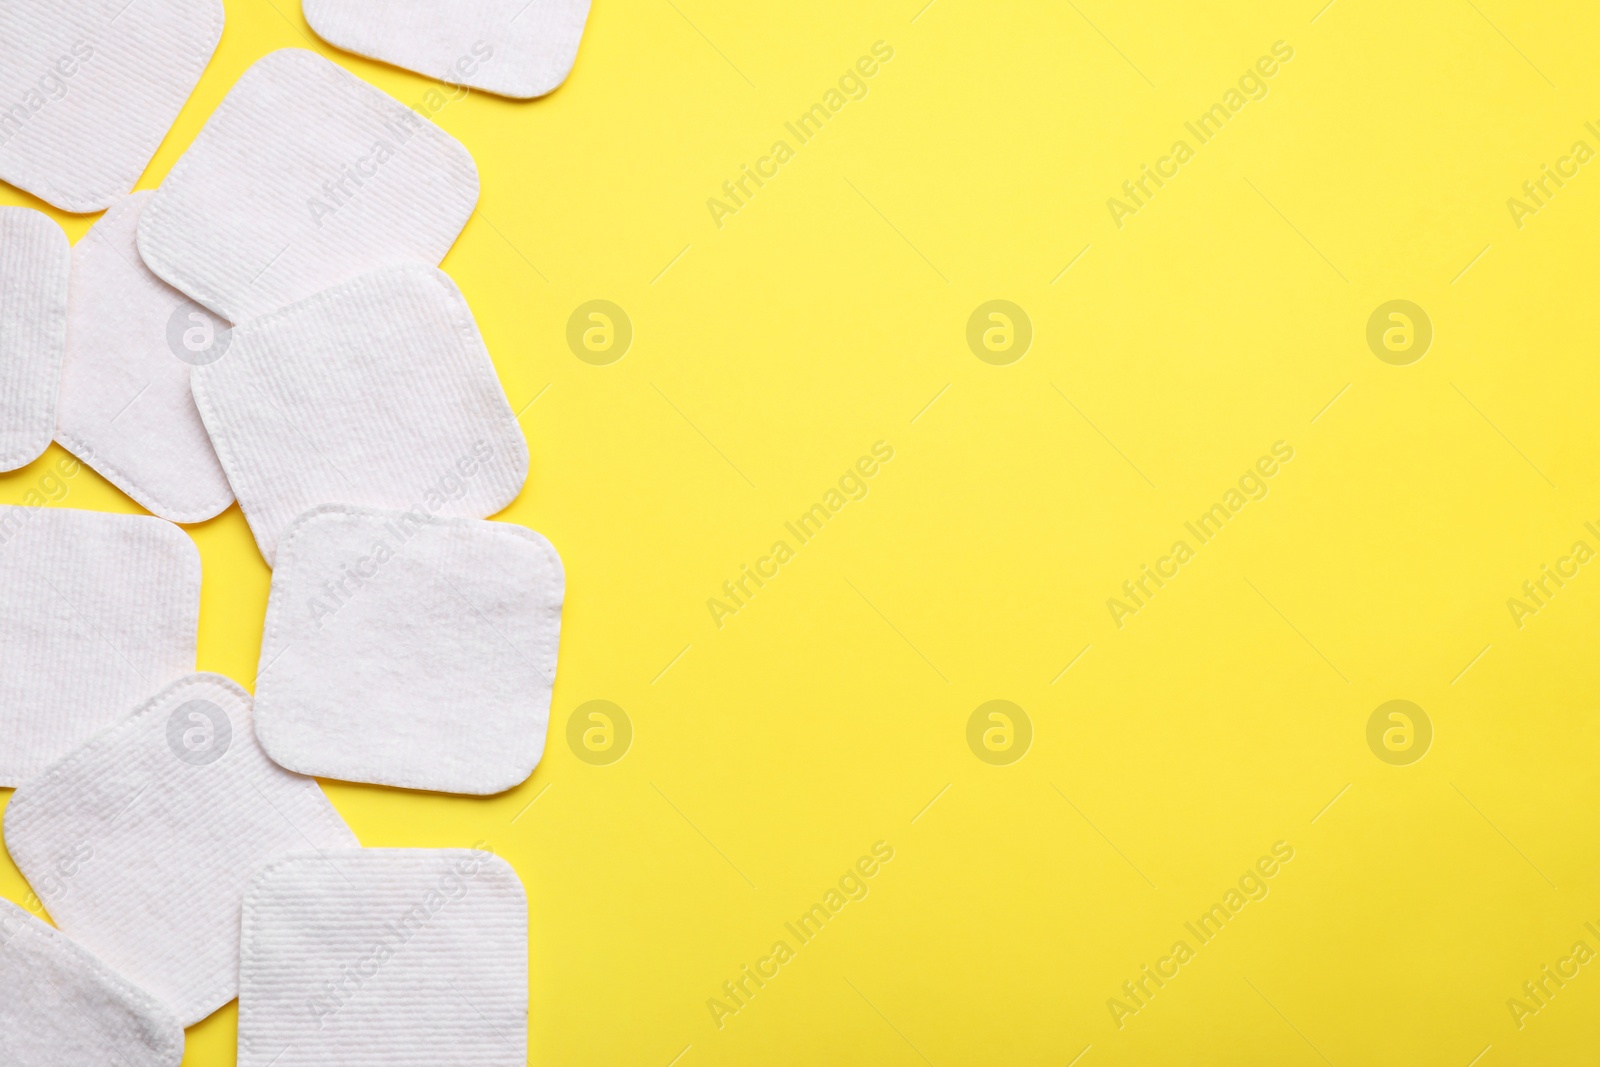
(88, 204)
(262, 876)
(172, 531)
(521, 774)
(314, 12)
(180, 517)
(158, 508)
(219, 13)
(147, 242)
(262, 721)
(166, 1038)
(221, 681)
(292, 54)
(503, 867)
(54, 228)
(22, 459)
(179, 540)
(552, 557)
(8, 817)
(310, 516)
(33, 215)
(540, 90)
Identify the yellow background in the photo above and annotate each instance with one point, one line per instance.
(826, 715)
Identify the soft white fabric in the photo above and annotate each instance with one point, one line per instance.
(88, 89)
(60, 1005)
(303, 177)
(97, 612)
(410, 651)
(140, 843)
(377, 392)
(34, 263)
(518, 48)
(125, 407)
(385, 958)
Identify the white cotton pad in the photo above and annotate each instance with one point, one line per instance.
(303, 177)
(35, 259)
(518, 48)
(125, 408)
(377, 392)
(140, 843)
(396, 958)
(410, 651)
(62, 1006)
(97, 612)
(88, 89)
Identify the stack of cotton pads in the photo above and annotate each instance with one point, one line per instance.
(269, 326)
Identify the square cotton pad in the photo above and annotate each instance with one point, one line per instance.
(88, 89)
(519, 48)
(410, 651)
(303, 177)
(377, 392)
(140, 843)
(35, 259)
(97, 612)
(63, 1006)
(396, 958)
(126, 409)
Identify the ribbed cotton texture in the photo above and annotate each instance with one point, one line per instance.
(410, 651)
(63, 1006)
(517, 48)
(385, 958)
(88, 89)
(377, 392)
(303, 177)
(34, 263)
(141, 842)
(97, 613)
(126, 409)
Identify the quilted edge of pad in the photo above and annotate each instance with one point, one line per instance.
(376, 856)
(18, 460)
(164, 1023)
(150, 223)
(84, 451)
(314, 10)
(466, 324)
(280, 595)
(39, 185)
